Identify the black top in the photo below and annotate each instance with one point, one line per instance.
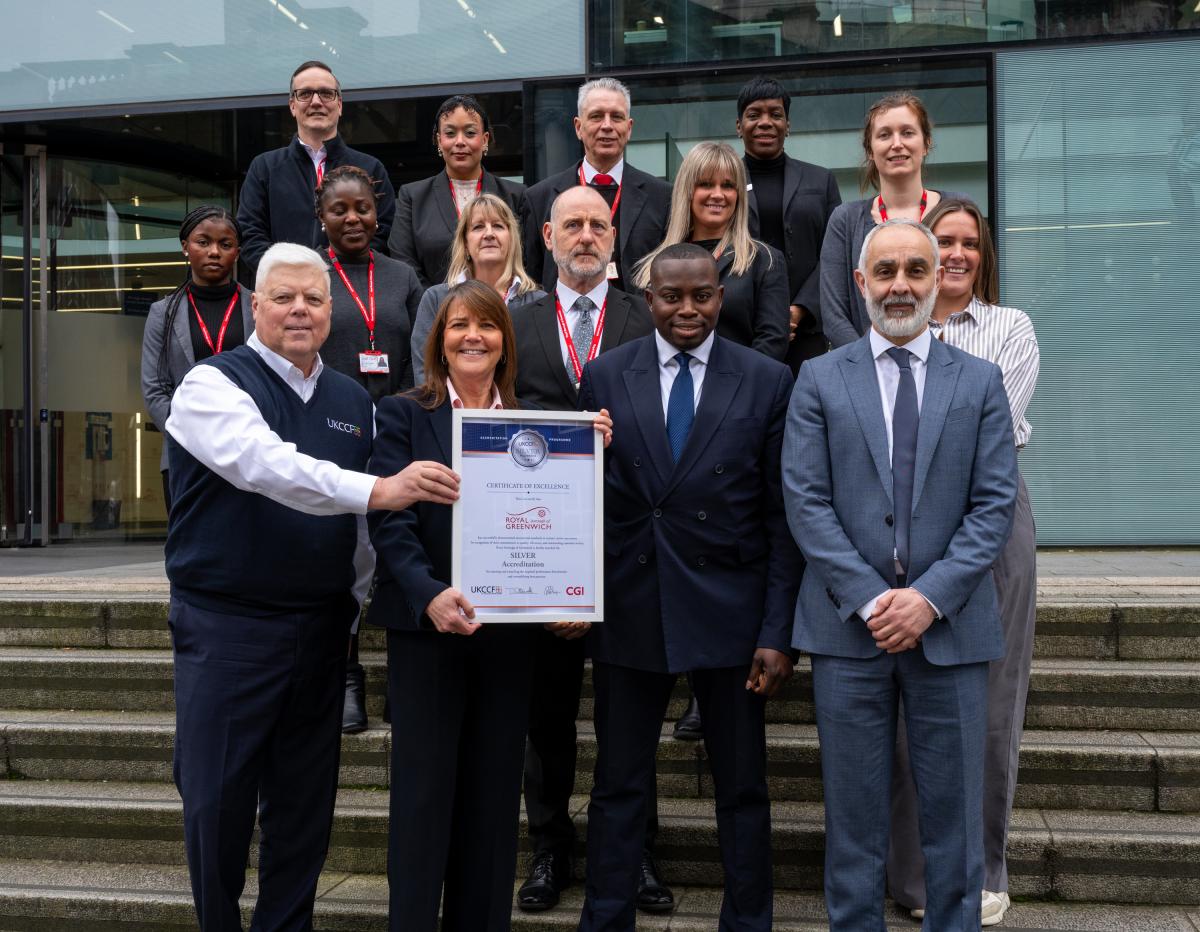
(766, 176)
(213, 301)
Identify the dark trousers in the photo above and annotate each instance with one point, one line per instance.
(630, 705)
(550, 753)
(460, 705)
(258, 708)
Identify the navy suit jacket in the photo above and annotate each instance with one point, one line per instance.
(700, 569)
(964, 489)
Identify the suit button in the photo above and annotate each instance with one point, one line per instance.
(718, 469)
(700, 561)
(702, 516)
(637, 461)
(888, 521)
(641, 558)
(658, 512)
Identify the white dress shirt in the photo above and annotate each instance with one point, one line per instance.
(567, 298)
(668, 367)
(220, 425)
(318, 156)
(616, 172)
(887, 374)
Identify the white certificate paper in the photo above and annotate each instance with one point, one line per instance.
(528, 524)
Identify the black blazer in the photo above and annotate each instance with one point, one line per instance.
(641, 218)
(426, 219)
(754, 309)
(277, 202)
(541, 375)
(700, 567)
(810, 194)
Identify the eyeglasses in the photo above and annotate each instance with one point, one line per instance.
(327, 94)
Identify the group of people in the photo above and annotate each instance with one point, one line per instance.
(763, 496)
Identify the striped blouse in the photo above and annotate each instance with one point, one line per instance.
(1003, 335)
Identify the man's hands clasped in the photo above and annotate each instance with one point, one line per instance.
(901, 616)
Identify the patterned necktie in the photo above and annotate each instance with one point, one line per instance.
(581, 334)
(681, 407)
(905, 418)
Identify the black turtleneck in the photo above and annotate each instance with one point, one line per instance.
(213, 301)
(767, 177)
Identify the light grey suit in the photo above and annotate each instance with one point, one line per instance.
(159, 381)
(838, 494)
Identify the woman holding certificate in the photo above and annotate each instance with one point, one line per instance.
(458, 689)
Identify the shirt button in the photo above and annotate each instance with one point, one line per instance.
(658, 512)
(641, 558)
(718, 469)
(700, 561)
(637, 461)
(702, 516)
(888, 521)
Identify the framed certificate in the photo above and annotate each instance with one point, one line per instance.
(529, 522)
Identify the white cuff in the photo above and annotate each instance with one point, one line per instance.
(354, 491)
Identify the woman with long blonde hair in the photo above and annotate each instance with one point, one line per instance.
(709, 208)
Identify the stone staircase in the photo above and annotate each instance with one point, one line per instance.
(1106, 835)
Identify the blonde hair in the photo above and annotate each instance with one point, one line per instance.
(708, 161)
(460, 259)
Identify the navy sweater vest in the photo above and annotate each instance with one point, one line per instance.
(242, 553)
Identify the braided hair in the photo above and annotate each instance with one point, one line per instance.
(344, 173)
(175, 299)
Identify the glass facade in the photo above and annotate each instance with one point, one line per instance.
(135, 51)
(634, 33)
(1099, 186)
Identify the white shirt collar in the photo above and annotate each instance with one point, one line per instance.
(568, 296)
(281, 366)
(667, 352)
(918, 346)
(456, 402)
(616, 172)
(317, 155)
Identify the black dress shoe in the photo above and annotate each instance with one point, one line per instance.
(354, 712)
(689, 728)
(549, 875)
(653, 895)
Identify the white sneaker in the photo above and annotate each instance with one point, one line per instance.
(995, 905)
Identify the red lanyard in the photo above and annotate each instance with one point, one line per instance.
(321, 170)
(616, 200)
(593, 350)
(921, 216)
(237, 290)
(454, 195)
(368, 316)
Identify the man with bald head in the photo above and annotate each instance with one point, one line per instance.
(897, 607)
(583, 316)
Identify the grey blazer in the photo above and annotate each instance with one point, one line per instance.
(837, 491)
(157, 388)
(427, 311)
(843, 312)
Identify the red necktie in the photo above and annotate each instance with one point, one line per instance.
(603, 181)
(321, 170)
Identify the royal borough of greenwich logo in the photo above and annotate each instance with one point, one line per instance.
(531, 519)
(528, 449)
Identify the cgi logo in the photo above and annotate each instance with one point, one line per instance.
(487, 590)
(574, 590)
(345, 428)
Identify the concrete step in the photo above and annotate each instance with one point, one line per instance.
(1085, 622)
(36, 896)
(1133, 695)
(1133, 771)
(1142, 858)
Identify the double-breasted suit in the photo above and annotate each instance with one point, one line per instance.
(426, 218)
(700, 571)
(964, 488)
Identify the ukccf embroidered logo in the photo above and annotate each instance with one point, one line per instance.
(352, 429)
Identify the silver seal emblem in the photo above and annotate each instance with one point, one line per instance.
(528, 449)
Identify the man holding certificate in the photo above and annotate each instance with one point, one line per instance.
(701, 576)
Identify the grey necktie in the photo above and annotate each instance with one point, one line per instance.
(581, 334)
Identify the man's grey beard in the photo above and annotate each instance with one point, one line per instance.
(574, 267)
(908, 326)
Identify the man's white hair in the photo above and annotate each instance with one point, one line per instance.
(292, 255)
(933, 246)
(602, 84)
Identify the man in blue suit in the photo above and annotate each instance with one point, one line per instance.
(700, 576)
(899, 479)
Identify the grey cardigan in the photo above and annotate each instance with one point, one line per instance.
(430, 302)
(843, 312)
(157, 388)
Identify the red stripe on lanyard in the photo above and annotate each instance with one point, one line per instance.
(237, 290)
(593, 350)
(321, 170)
(454, 197)
(368, 316)
(616, 200)
(920, 216)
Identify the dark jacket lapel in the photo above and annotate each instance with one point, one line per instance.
(720, 385)
(791, 181)
(616, 316)
(941, 377)
(442, 421)
(633, 199)
(545, 323)
(641, 382)
(182, 331)
(444, 201)
(858, 370)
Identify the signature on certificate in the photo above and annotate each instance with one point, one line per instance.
(520, 590)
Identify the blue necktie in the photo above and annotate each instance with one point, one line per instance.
(905, 418)
(681, 407)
